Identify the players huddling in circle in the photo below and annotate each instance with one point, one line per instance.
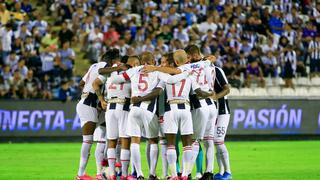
(127, 98)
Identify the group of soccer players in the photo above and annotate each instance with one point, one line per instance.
(125, 99)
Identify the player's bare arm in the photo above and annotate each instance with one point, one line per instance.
(224, 92)
(109, 70)
(81, 84)
(97, 83)
(168, 70)
(203, 94)
(151, 96)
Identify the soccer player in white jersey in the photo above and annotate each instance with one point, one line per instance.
(88, 114)
(178, 117)
(221, 89)
(117, 110)
(142, 113)
(204, 111)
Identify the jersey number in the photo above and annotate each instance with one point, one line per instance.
(143, 84)
(204, 78)
(114, 86)
(183, 82)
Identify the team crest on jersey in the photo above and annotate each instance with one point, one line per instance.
(195, 66)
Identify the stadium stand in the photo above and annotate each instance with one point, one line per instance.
(258, 43)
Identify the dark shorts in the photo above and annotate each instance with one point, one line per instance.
(314, 65)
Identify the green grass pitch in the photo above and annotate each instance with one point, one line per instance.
(270, 160)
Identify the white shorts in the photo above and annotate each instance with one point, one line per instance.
(204, 119)
(86, 113)
(221, 128)
(116, 122)
(99, 134)
(139, 119)
(178, 119)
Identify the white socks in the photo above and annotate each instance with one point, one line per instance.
(85, 153)
(154, 153)
(163, 144)
(111, 160)
(148, 154)
(125, 159)
(220, 163)
(136, 158)
(222, 151)
(172, 160)
(187, 160)
(195, 152)
(209, 155)
(99, 154)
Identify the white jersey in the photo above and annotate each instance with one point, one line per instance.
(202, 74)
(113, 90)
(91, 75)
(143, 83)
(179, 90)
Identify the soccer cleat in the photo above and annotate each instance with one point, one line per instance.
(217, 176)
(152, 177)
(113, 177)
(189, 177)
(140, 178)
(173, 178)
(207, 176)
(84, 177)
(131, 178)
(99, 177)
(184, 178)
(198, 175)
(134, 174)
(226, 176)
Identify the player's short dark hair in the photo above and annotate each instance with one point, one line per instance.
(124, 59)
(192, 50)
(111, 55)
(170, 59)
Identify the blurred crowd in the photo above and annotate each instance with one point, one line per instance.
(254, 40)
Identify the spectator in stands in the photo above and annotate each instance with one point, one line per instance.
(65, 34)
(289, 65)
(4, 88)
(254, 74)
(4, 14)
(64, 92)
(46, 87)
(17, 85)
(6, 41)
(6, 73)
(231, 73)
(67, 57)
(269, 65)
(314, 51)
(31, 86)
(21, 67)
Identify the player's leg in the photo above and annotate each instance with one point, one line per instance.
(118, 160)
(170, 129)
(89, 118)
(186, 130)
(112, 137)
(163, 144)
(125, 145)
(99, 137)
(134, 128)
(208, 141)
(178, 153)
(152, 131)
(199, 161)
(222, 151)
(87, 134)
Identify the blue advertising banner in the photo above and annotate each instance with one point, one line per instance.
(248, 117)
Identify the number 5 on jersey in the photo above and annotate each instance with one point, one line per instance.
(143, 84)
